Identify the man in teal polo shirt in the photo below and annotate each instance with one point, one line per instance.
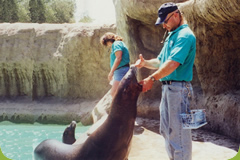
(174, 67)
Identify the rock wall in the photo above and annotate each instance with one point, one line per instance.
(216, 71)
(53, 60)
(216, 24)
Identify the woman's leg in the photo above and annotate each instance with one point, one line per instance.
(114, 88)
(118, 75)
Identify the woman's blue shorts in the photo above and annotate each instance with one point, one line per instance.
(120, 73)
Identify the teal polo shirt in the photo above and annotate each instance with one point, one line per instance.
(179, 46)
(119, 46)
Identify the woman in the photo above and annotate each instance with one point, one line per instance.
(119, 59)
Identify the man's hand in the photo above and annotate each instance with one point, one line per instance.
(140, 62)
(146, 84)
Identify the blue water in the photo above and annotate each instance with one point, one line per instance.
(17, 141)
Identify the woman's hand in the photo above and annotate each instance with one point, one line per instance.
(140, 62)
(110, 76)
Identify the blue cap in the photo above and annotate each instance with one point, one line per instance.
(164, 10)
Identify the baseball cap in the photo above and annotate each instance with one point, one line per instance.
(164, 10)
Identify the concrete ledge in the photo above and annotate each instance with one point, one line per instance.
(47, 112)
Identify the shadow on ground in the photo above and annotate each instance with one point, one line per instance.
(198, 135)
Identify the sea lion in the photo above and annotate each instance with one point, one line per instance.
(68, 136)
(111, 141)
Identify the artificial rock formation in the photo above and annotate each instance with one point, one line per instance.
(52, 73)
(53, 60)
(216, 72)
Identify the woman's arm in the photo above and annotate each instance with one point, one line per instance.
(116, 63)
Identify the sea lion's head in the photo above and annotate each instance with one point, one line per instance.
(69, 133)
(129, 88)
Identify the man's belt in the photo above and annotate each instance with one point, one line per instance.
(170, 82)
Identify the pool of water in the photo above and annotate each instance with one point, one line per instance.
(17, 141)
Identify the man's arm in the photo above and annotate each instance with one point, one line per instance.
(150, 64)
(167, 68)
